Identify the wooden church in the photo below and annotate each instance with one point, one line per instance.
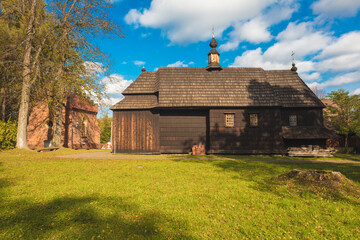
(231, 110)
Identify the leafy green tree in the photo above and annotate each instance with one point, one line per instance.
(8, 134)
(77, 22)
(344, 113)
(105, 129)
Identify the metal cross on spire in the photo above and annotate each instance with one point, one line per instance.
(213, 31)
(293, 56)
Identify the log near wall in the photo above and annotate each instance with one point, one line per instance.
(136, 131)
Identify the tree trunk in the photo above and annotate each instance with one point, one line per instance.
(21, 141)
(3, 103)
(58, 124)
(346, 142)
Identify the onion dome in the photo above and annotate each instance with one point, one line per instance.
(143, 69)
(294, 68)
(213, 43)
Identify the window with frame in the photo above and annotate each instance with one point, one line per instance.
(229, 119)
(293, 120)
(254, 119)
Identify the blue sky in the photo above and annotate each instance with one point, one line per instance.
(324, 34)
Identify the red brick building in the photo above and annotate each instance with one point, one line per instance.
(80, 126)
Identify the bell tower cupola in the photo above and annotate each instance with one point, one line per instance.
(214, 60)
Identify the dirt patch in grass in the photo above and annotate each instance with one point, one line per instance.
(324, 183)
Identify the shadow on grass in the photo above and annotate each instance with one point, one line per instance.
(81, 218)
(262, 173)
(85, 217)
(351, 157)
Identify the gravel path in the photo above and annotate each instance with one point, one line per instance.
(179, 157)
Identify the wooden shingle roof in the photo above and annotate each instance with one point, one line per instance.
(145, 83)
(136, 102)
(197, 87)
(291, 89)
(230, 87)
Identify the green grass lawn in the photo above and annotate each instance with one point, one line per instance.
(172, 197)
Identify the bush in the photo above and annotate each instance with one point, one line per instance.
(8, 131)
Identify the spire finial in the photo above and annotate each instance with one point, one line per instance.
(143, 69)
(213, 31)
(294, 68)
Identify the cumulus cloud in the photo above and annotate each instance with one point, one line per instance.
(94, 67)
(336, 8)
(256, 30)
(178, 64)
(190, 21)
(348, 43)
(301, 38)
(139, 63)
(339, 80)
(316, 51)
(342, 55)
(355, 92)
(255, 58)
(114, 85)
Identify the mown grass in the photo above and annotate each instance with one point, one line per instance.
(172, 197)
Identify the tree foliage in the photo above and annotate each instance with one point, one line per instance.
(45, 51)
(8, 134)
(105, 129)
(344, 113)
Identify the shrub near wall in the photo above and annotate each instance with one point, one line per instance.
(8, 132)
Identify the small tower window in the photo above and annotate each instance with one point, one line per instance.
(254, 120)
(229, 119)
(293, 120)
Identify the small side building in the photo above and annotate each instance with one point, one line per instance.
(80, 126)
(231, 110)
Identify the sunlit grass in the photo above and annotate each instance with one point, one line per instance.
(174, 196)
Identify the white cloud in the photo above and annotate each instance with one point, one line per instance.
(139, 63)
(355, 92)
(191, 20)
(256, 30)
(336, 8)
(343, 54)
(178, 64)
(143, 35)
(114, 1)
(301, 38)
(338, 80)
(94, 67)
(325, 52)
(255, 58)
(347, 44)
(310, 77)
(345, 62)
(114, 85)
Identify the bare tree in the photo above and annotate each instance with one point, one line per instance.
(319, 92)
